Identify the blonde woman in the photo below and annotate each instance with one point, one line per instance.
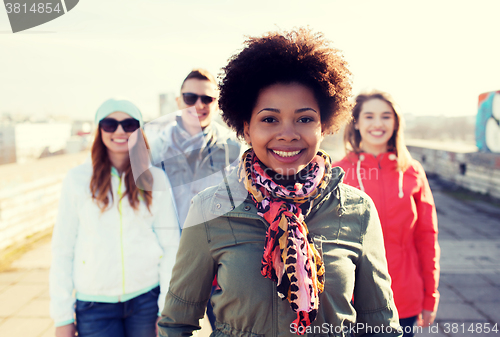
(378, 163)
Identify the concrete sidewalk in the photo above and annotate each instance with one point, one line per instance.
(24, 296)
(470, 277)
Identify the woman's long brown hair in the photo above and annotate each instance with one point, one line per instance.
(352, 137)
(100, 183)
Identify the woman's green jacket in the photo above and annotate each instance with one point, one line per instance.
(224, 236)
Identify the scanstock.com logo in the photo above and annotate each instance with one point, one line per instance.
(26, 14)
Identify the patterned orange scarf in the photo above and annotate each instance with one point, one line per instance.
(290, 258)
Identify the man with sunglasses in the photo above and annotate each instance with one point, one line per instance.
(193, 150)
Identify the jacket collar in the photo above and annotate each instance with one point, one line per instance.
(114, 172)
(231, 198)
(217, 131)
(385, 160)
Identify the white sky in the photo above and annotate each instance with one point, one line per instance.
(434, 57)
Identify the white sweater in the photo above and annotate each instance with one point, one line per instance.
(110, 256)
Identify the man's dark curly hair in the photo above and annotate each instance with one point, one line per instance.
(299, 56)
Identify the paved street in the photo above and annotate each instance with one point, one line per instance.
(470, 277)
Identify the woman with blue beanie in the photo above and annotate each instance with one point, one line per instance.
(115, 237)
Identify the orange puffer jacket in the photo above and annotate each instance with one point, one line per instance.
(408, 216)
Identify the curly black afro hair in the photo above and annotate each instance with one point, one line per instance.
(299, 56)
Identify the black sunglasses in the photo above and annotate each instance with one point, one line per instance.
(110, 124)
(190, 98)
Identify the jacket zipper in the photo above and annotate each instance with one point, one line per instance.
(121, 231)
(210, 157)
(275, 310)
(274, 331)
(382, 196)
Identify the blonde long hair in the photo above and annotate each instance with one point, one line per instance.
(352, 137)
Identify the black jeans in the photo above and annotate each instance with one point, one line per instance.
(407, 325)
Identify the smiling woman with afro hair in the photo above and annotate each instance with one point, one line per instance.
(299, 56)
(294, 250)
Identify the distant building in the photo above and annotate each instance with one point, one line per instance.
(80, 137)
(168, 107)
(7, 143)
(167, 103)
(81, 128)
(35, 139)
(76, 144)
(22, 142)
(442, 128)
